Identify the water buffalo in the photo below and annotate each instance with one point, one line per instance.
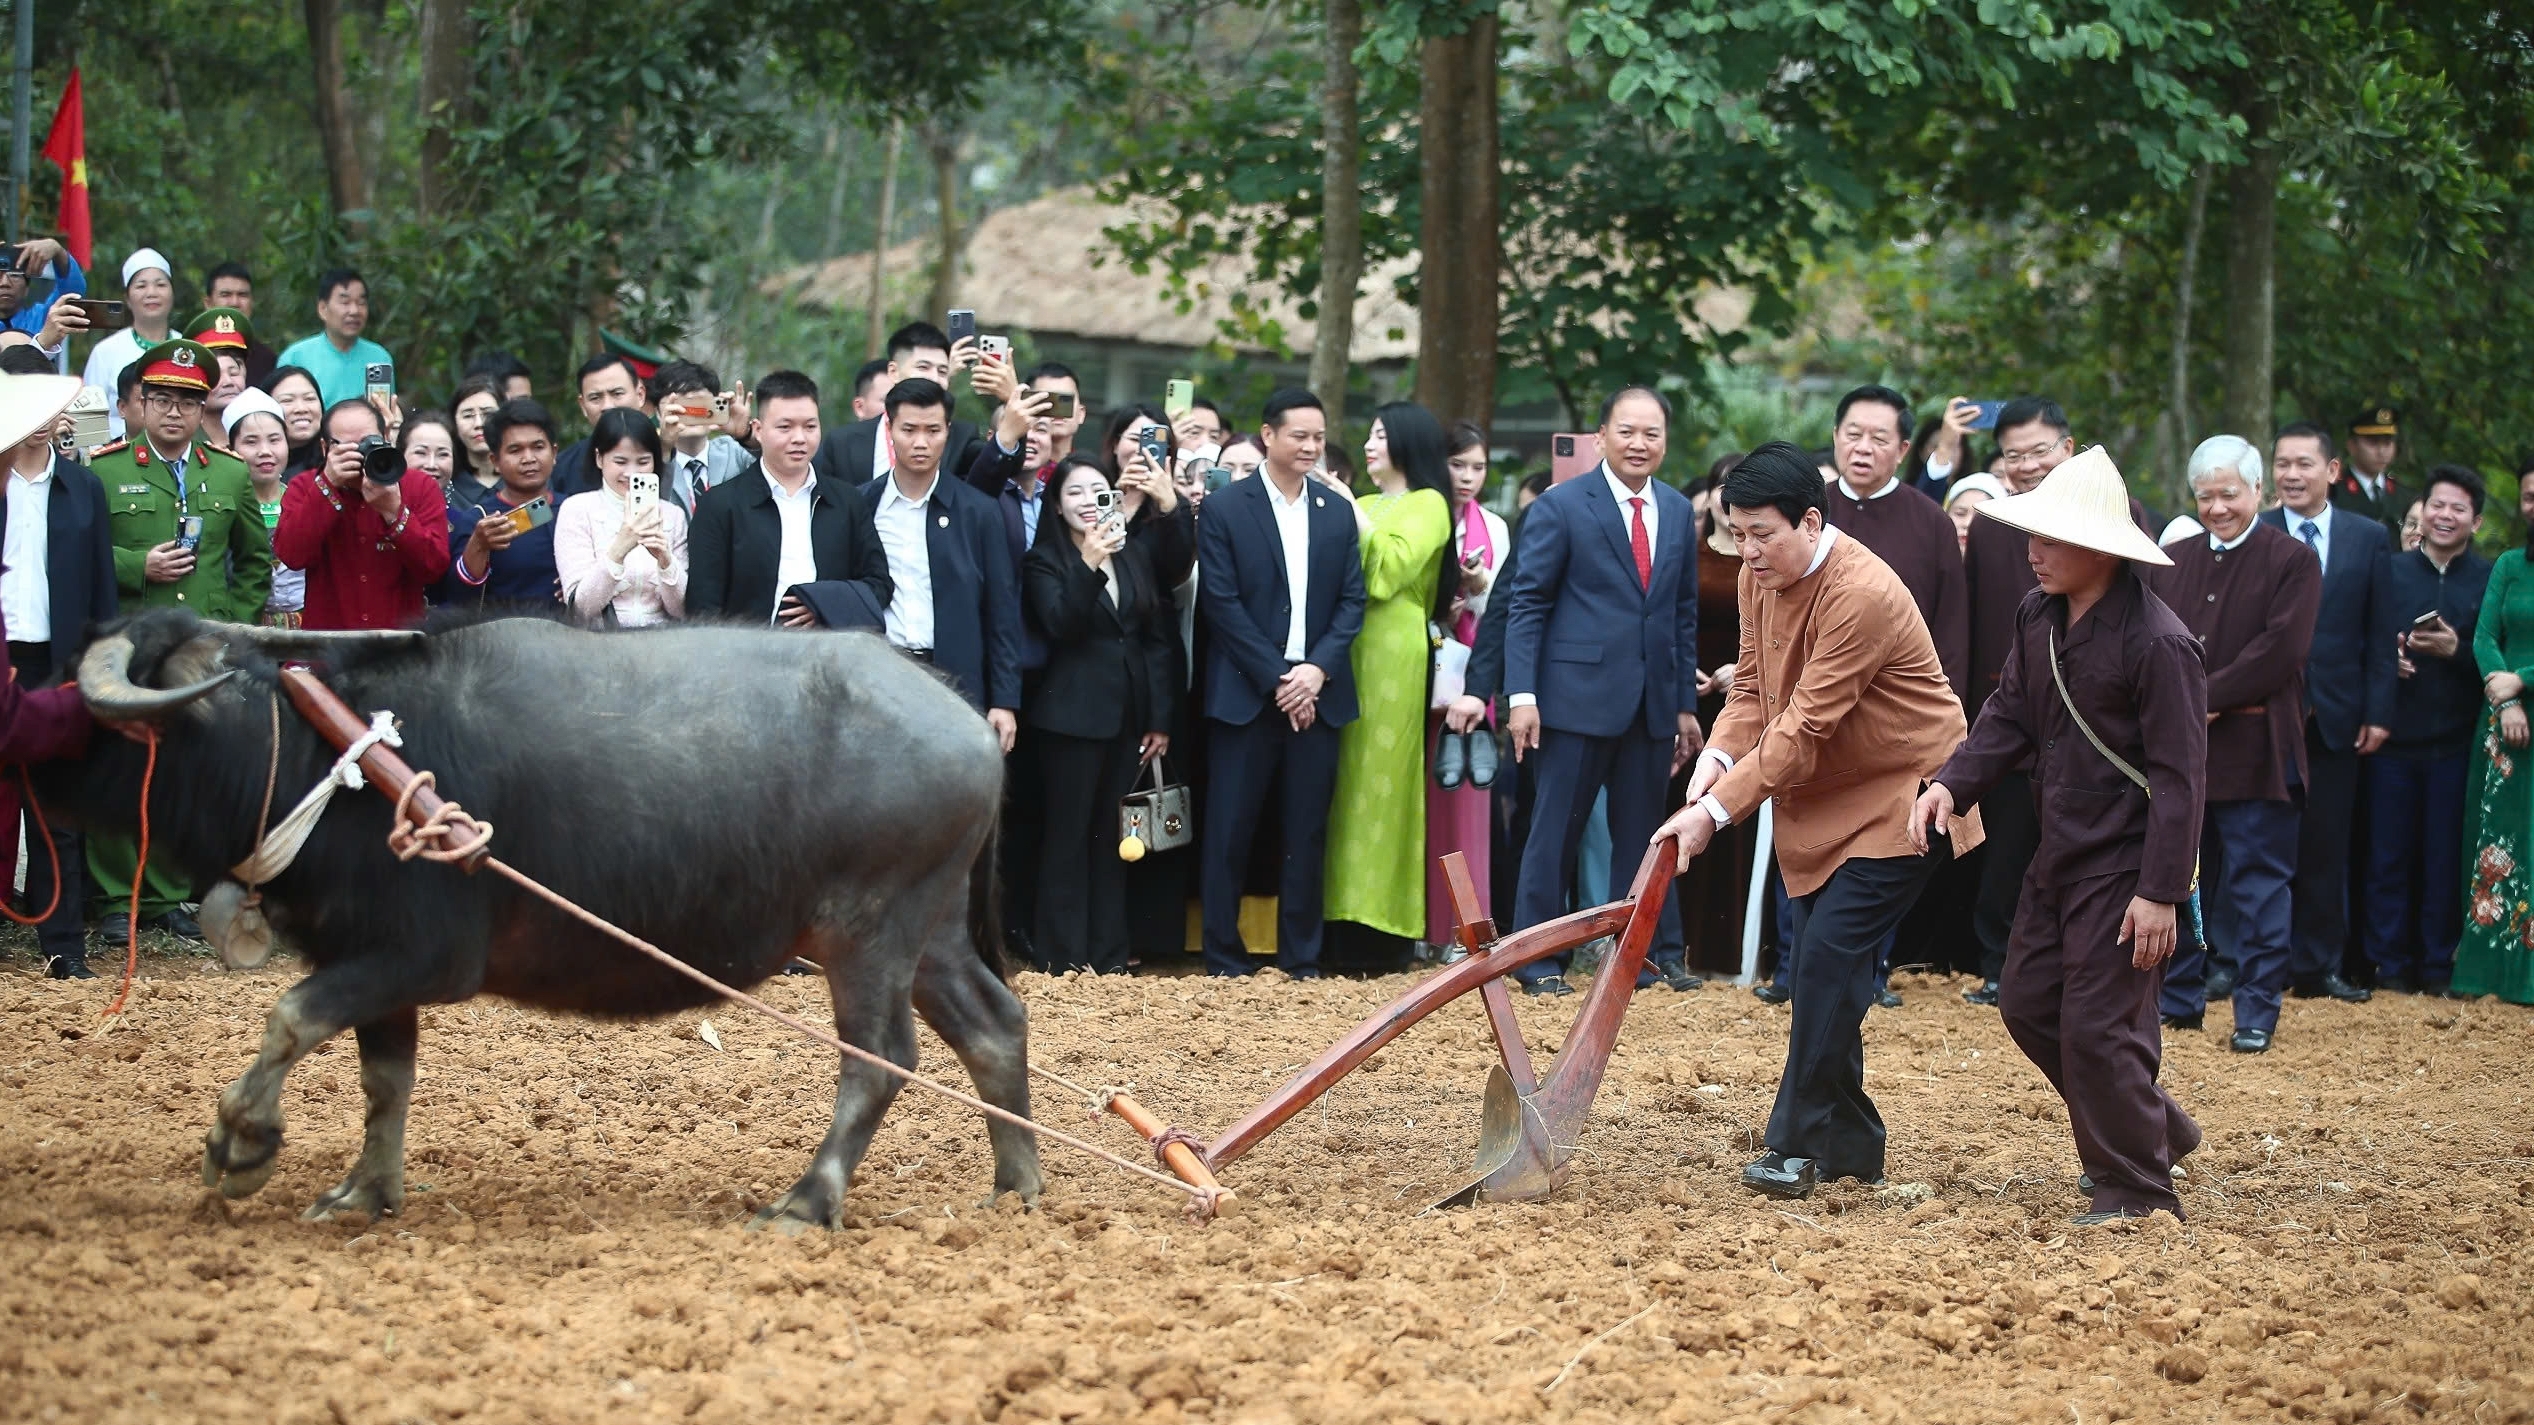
(736, 796)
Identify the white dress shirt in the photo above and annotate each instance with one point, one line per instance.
(1293, 527)
(1888, 487)
(2322, 522)
(1627, 535)
(798, 563)
(1724, 764)
(26, 590)
(901, 522)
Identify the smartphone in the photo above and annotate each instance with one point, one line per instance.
(1106, 502)
(1987, 417)
(999, 347)
(697, 410)
(1473, 559)
(1572, 455)
(379, 379)
(642, 491)
(189, 532)
(2425, 621)
(1060, 405)
(103, 315)
(1178, 398)
(1155, 443)
(538, 511)
(963, 325)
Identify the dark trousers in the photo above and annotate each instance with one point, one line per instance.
(2014, 834)
(2244, 887)
(1244, 763)
(1017, 844)
(1569, 771)
(1822, 1110)
(65, 931)
(2415, 912)
(2086, 1017)
(2322, 861)
(1081, 910)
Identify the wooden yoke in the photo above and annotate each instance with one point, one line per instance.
(339, 725)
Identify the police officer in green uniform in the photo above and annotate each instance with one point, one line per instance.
(2366, 486)
(187, 534)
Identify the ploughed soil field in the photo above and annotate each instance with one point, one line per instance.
(572, 1247)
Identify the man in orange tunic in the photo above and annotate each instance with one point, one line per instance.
(1840, 711)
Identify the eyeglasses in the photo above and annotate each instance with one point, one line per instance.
(170, 402)
(2034, 456)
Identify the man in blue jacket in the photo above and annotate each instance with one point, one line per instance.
(1601, 666)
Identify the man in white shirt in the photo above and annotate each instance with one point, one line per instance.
(1280, 587)
(781, 524)
(955, 600)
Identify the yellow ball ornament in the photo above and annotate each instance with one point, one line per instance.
(1131, 849)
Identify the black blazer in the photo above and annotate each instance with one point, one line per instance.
(1245, 602)
(2350, 672)
(1110, 666)
(736, 545)
(976, 592)
(78, 559)
(849, 452)
(1486, 677)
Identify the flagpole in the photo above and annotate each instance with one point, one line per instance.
(21, 115)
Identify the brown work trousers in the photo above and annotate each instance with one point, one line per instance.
(2087, 1019)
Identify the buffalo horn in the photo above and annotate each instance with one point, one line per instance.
(309, 640)
(105, 684)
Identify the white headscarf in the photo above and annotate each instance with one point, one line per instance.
(145, 260)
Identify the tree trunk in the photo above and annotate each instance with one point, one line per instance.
(2252, 256)
(941, 142)
(346, 187)
(877, 346)
(2185, 295)
(835, 190)
(1341, 211)
(444, 88)
(1457, 308)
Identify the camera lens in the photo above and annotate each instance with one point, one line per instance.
(380, 461)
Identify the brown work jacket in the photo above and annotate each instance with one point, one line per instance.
(2253, 609)
(2134, 672)
(1840, 711)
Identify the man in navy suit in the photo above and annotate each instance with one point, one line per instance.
(1601, 667)
(954, 598)
(859, 452)
(2350, 685)
(1280, 585)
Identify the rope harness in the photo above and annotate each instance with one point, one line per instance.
(432, 828)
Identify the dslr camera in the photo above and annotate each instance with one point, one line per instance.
(381, 463)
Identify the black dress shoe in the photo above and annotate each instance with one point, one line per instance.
(1773, 1174)
(2221, 984)
(2332, 987)
(2250, 1041)
(1985, 995)
(1484, 759)
(68, 967)
(2186, 1021)
(115, 929)
(1669, 971)
(1451, 760)
(1548, 985)
(1888, 997)
(1771, 992)
(180, 925)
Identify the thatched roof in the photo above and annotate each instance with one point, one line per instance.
(1044, 268)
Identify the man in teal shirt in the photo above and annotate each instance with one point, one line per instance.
(340, 357)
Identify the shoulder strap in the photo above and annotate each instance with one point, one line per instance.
(2087, 728)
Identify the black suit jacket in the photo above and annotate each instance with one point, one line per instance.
(976, 591)
(1111, 667)
(1486, 676)
(78, 559)
(2350, 672)
(1245, 601)
(736, 545)
(849, 452)
(575, 472)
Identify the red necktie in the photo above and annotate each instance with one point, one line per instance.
(1643, 546)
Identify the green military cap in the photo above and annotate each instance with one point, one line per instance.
(221, 329)
(2377, 420)
(180, 365)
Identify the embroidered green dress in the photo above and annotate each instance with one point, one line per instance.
(2497, 953)
(1376, 855)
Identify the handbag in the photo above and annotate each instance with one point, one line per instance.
(1155, 819)
(1451, 672)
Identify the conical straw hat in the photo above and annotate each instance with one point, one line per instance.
(31, 403)
(2085, 503)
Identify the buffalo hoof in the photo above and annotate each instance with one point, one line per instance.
(357, 1196)
(239, 1163)
(800, 1210)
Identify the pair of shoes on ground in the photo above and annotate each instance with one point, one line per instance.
(116, 928)
(1667, 971)
(1985, 996)
(2332, 987)
(1470, 757)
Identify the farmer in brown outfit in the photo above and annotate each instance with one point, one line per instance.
(2104, 691)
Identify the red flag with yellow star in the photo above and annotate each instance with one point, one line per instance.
(67, 148)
